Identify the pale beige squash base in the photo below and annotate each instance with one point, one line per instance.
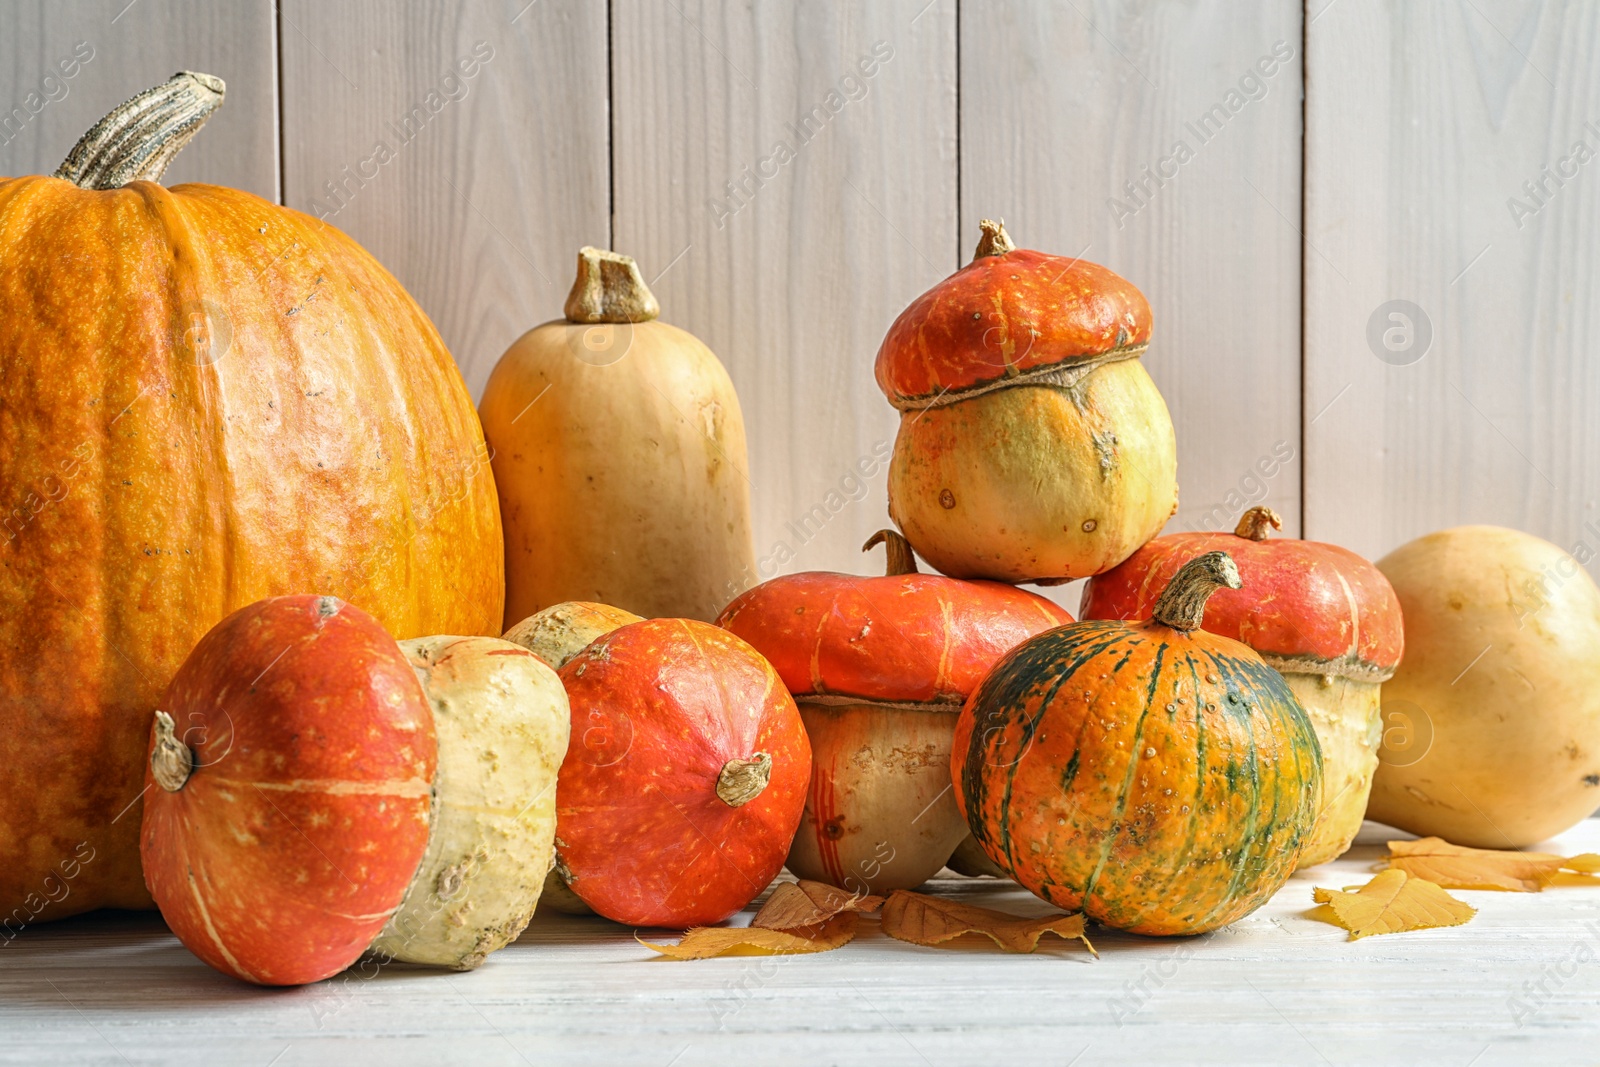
(1345, 714)
(502, 722)
(1037, 481)
(880, 813)
(971, 860)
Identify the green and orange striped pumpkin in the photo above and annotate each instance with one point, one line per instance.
(1157, 777)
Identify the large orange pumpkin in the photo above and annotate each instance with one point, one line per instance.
(1160, 778)
(205, 400)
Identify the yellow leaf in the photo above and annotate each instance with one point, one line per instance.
(925, 920)
(1459, 867)
(1392, 903)
(808, 904)
(1586, 863)
(704, 942)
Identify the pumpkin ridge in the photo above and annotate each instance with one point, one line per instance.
(974, 773)
(1186, 853)
(1117, 827)
(1253, 829)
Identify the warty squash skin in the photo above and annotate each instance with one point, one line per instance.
(879, 667)
(1033, 445)
(1157, 777)
(205, 399)
(555, 635)
(619, 452)
(501, 718)
(289, 785)
(1492, 720)
(1322, 616)
(686, 775)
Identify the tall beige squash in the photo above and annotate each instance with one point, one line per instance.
(619, 453)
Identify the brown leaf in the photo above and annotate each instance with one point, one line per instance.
(704, 942)
(925, 920)
(1392, 903)
(1459, 867)
(1584, 863)
(808, 903)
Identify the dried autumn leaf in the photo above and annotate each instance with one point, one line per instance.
(925, 920)
(1584, 863)
(809, 903)
(1392, 903)
(704, 942)
(1459, 867)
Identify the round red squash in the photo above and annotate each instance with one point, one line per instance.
(207, 399)
(1325, 618)
(685, 778)
(1033, 445)
(879, 668)
(288, 795)
(1157, 777)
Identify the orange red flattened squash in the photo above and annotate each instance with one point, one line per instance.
(1159, 778)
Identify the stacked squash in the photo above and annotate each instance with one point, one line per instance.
(362, 770)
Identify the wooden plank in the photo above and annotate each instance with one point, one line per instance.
(464, 145)
(63, 66)
(1064, 105)
(786, 173)
(1515, 985)
(1424, 121)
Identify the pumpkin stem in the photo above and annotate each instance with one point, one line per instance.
(1183, 603)
(742, 780)
(137, 140)
(171, 762)
(1255, 522)
(609, 288)
(995, 241)
(900, 558)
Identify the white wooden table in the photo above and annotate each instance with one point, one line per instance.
(1519, 984)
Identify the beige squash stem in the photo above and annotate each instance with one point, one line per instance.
(609, 288)
(995, 241)
(900, 559)
(1255, 523)
(171, 762)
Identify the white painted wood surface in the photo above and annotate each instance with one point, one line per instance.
(1064, 105)
(786, 176)
(1423, 122)
(464, 145)
(1518, 984)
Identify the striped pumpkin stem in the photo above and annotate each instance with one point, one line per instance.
(1183, 604)
(141, 136)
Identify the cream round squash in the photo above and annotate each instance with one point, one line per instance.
(501, 718)
(1492, 721)
(619, 456)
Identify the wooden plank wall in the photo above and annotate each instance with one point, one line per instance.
(1160, 137)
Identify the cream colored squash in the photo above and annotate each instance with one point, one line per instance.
(885, 771)
(1037, 481)
(501, 718)
(619, 455)
(1344, 713)
(1492, 722)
